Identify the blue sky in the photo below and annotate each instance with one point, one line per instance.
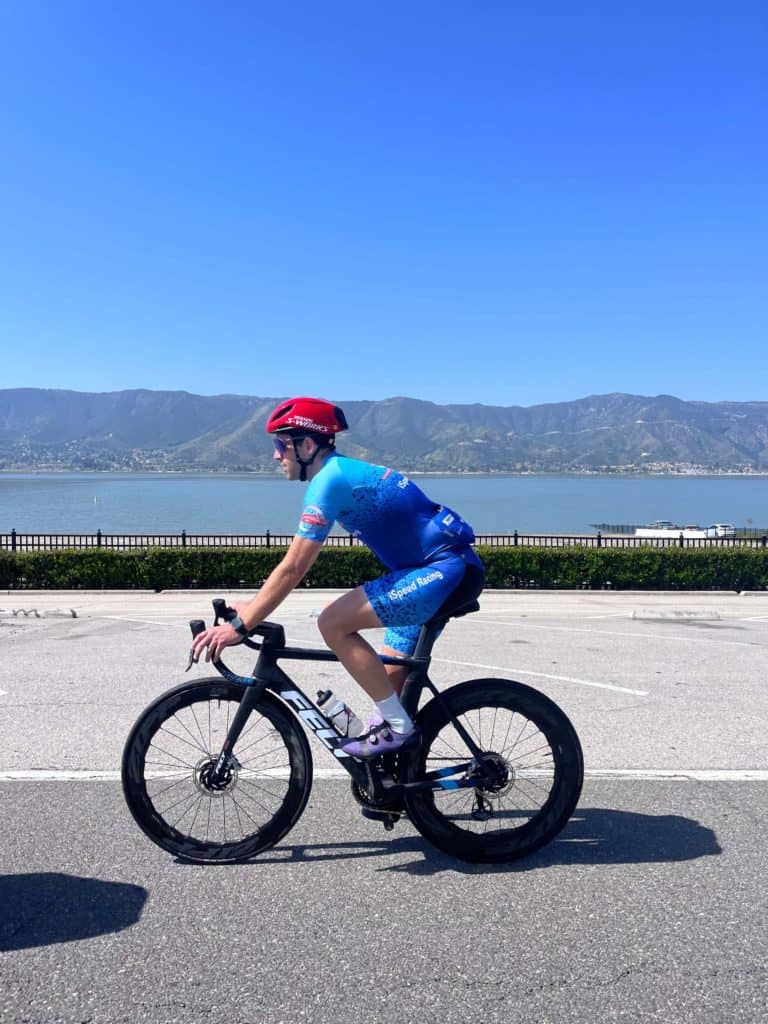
(498, 202)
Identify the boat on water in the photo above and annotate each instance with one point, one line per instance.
(664, 528)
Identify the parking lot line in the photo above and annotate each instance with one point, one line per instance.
(544, 675)
(628, 774)
(690, 638)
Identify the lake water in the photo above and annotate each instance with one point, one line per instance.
(243, 503)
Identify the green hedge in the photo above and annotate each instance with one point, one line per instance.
(644, 568)
(166, 568)
(232, 568)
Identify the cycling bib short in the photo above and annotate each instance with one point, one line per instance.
(425, 545)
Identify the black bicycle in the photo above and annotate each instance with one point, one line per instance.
(220, 769)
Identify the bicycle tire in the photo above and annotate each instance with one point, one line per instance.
(540, 755)
(168, 757)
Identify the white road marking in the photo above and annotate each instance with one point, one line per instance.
(632, 636)
(452, 661)
(98, 775)
(681, 774)
(147, 622)
(631, 774)
(544, 675)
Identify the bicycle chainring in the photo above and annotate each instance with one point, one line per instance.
(362, 797)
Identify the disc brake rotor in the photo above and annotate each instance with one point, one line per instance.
(211, 786)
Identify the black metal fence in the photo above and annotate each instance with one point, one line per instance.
(21, 542)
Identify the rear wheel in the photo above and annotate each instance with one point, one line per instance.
(184, 805)
(531, 752)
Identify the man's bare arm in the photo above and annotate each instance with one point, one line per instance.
(298, 560)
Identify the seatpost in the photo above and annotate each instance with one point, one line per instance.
(417, 676)
(427, 637)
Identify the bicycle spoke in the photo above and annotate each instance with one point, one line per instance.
(168, 753)
(238, 808)
(185, 727)
(244, 808)
(186, 803)
(157, 793)
(526, 762)
(266, 753)
(253, 799)
(178, 762)
(168, 734)
(174, 769)
(199, 729)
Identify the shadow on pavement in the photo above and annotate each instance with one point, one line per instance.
(48, 907)
(599, 835)
(592, 836)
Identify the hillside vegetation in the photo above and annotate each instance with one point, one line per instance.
(49, 429)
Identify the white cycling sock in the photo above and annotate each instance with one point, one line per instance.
(392, 711)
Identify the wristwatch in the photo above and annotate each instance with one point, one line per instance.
(239, 626)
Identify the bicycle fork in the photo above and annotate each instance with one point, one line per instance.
(226, 758)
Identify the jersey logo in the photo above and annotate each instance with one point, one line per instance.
(313, 516)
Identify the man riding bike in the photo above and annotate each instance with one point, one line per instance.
(425, 546)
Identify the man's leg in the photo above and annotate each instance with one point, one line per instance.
(340, 624)
(396, 673)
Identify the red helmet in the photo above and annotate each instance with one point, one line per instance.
(307, 415)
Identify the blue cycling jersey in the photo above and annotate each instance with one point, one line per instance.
(388, 512)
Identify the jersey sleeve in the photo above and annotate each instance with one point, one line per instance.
(322, 503)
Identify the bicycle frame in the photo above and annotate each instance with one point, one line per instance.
(372, 777)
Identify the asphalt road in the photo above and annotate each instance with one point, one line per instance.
(650, 906)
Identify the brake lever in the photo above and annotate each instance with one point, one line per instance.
(222, 611)
(197, 626)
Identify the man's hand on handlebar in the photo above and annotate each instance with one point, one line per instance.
(214, 640)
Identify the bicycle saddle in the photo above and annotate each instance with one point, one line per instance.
(446, 613)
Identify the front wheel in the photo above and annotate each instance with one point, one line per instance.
(529, 751)
(187, 807)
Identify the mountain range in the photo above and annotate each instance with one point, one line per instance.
(174, 430)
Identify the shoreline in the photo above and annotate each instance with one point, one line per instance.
(684, 474)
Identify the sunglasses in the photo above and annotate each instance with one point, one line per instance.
(282, 444)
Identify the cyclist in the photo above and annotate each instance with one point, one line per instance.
(425, 546)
